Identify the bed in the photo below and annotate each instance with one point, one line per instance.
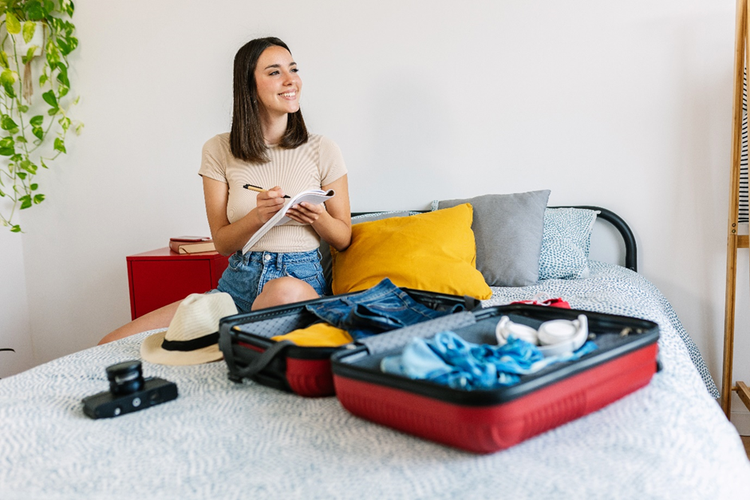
(220, 439)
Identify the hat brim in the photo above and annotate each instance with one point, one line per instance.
(152, 352)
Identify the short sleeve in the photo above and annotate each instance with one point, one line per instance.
(332, 166)
(213, 158)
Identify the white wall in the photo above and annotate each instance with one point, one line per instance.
(15, 332)
(625, 105)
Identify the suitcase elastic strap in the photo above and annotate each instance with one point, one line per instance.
(399, 338)
(259, 363)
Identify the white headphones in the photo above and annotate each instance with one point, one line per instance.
(554, 338)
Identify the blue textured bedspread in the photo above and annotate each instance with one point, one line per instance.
(220, 440)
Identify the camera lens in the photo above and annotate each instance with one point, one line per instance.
(125, 378)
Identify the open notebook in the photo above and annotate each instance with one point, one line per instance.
(316, 196)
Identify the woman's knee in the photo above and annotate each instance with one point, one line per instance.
(158, 318)
(286, 290)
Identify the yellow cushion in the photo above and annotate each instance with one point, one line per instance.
(433, 251)
(317, 335)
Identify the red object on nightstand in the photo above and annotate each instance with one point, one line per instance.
(160, 277)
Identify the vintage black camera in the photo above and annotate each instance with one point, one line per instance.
(128, 392)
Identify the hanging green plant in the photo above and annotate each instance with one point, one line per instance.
(36, 37)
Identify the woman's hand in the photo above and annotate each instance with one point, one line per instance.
(305, 213)
(229, 238)
(269, 202)
(332, 221)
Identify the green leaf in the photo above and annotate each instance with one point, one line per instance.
(49, 96)
(64, 123)
(55, 23)
(21, 175)
(34, 10)
(23, 108)
(29, 27)
(7, 76)
(62, 76)
(42, 162)
(37, 120)
(7, 79)
(7, 146)
(38, 198)
(53, 111)
(29, 167)
(29, 54)
(12, 24)
(21, 139)
(72, 43)
(4, 59)
(64, 46)
(34, 187)
(52, 53)
(60, 145)
(38, 132)
(43, 79)
(25, 201)
(7, 123)
(15, 229)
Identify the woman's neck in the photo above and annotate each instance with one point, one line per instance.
(274, 128)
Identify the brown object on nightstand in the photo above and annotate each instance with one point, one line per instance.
(160, 277)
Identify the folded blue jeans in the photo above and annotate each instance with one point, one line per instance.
(379, 309)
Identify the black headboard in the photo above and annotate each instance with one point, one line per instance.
(631, 249)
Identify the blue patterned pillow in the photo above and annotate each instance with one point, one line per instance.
(565, 243)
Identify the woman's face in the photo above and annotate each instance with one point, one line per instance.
(277, 81)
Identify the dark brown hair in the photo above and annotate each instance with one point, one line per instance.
(246, 137)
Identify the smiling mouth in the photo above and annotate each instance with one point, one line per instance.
(289, 95)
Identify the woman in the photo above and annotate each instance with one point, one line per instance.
(268, 146)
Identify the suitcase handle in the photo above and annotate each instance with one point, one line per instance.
(259, 363)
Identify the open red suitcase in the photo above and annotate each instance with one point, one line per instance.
(485, 421)
(250, 352)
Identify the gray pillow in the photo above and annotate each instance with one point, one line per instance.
(508, 229)
(325, 249)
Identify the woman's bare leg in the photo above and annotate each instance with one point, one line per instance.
(159, 318)
(286, 290)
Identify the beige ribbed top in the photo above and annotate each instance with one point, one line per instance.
(312, 165)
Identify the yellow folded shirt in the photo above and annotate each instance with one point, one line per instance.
(317, 335)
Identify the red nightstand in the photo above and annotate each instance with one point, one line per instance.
(160, 277)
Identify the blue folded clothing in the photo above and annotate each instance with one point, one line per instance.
(447, 359)
(381, 308)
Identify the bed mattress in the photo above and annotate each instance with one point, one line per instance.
(219, 439)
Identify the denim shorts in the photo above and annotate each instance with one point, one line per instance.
(382, 308)
(246, 275)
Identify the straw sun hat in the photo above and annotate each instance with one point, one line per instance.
(193, 335)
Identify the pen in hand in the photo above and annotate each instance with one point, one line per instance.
(259, 189)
